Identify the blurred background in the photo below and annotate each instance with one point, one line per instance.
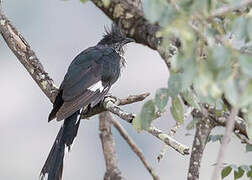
(57, 31)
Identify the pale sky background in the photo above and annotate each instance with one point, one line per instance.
(57, 31)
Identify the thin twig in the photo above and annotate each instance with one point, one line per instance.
(134, 147)
(226, 139)
(108, 146)
(112, 107)
(182, 149)
(172, 133)
(132, 99)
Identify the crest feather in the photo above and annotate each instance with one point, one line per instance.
(112, 35)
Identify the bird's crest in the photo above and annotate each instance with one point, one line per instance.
(112, 35)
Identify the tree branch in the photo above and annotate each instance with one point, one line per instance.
(134, 148)
(172, 133)
(229, 129)
(27, 57)
(182, 149)
(133, 23)
(108, 146)
(203, 129)
(110, 103)
(131, 20)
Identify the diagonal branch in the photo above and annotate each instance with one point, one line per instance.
(134, 148)
(229, 129)
(27, 57)
(110, 103)
(108, 146)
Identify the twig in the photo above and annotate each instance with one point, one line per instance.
(133, 99)
(134, 147)
(239, 126)
(182, 149)
(110, 104)
(108, 146)
(112, 107)
(226, 9)
(226, 139)
(171, 133)
(165, 146)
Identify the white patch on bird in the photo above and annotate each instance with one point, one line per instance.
(96, 86)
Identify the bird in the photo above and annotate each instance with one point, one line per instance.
(88, 79)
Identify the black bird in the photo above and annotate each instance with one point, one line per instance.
(87, 81)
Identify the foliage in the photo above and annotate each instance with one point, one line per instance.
(243, 170)
(214, 58)
(213, 64)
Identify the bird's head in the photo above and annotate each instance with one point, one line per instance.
(115, 38)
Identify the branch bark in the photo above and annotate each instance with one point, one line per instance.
(108, 146)
(131, 20)
(27, 57)
(133, 23)
(203, 129)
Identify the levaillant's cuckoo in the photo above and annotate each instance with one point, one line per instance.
(88, 79)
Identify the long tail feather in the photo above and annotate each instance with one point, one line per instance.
(53, 166)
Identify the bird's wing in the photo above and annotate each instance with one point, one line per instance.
(88, 97)
(84, 83)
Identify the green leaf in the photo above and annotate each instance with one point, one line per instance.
(239, 28)
(177, 110)
(188, 69)
(248, 148)
(159, 11)
(231, 92)
(144, 119)
(245, 62)
(246, 168)
(238, 174)
(147, 114)
(161, 98)
(174, 84)
(220, 57)
(249, 27)
(190, 99)
(249, 173)
(225, 172)
(136, 123)
(246, 97)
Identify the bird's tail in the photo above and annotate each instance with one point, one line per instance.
(53, 166)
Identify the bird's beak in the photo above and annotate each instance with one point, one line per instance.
(128, 40)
